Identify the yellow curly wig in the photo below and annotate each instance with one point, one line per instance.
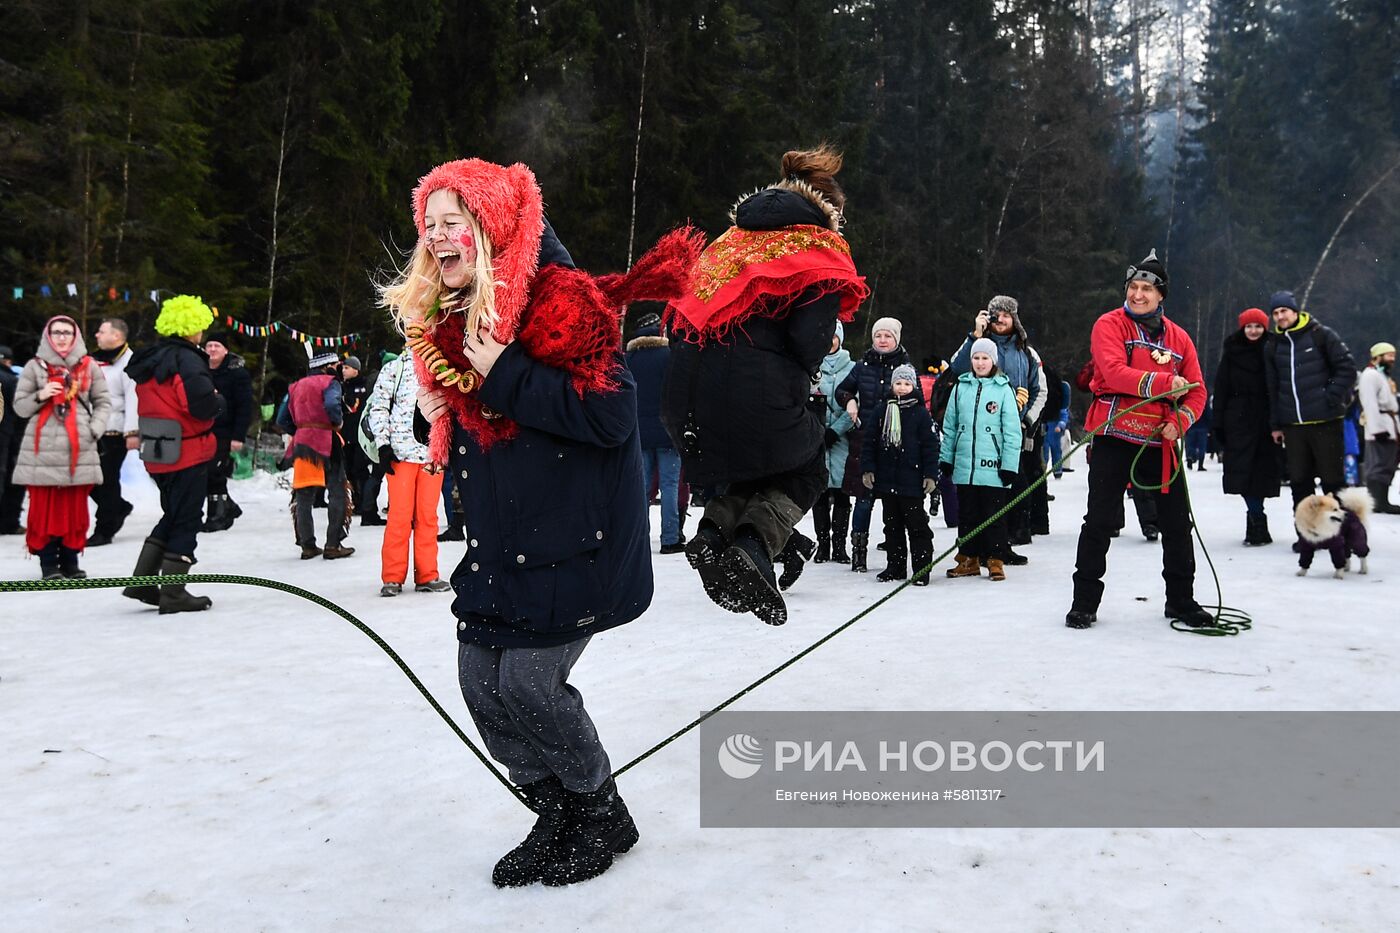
(183, 316)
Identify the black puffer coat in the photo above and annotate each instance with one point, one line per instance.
(233, 381)
(1310, 374)
(1241, 428)
(901, 471)
(746, 394)
(871, 383)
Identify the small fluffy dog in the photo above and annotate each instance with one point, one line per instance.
(1335, 524)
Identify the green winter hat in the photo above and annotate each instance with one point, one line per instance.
(183, 316)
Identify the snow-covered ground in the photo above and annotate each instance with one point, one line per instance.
(263, 766)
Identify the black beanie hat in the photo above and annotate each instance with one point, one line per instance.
(217, 336)
(1150, 270)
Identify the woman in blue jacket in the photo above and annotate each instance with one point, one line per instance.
(981, 453)
(832, 513)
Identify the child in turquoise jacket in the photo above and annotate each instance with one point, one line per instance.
(981, 455)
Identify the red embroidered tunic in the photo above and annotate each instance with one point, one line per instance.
(1129, 366)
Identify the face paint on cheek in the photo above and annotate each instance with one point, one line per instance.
(465, 244)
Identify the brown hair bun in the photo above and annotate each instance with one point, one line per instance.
(817, 167)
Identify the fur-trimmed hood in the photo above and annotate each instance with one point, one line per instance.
(647, 343)
(826, 214)
(1319, 518)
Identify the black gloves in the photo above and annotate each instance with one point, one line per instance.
(387, 458)
(1007, 476)
(830, 438)
(946, 468)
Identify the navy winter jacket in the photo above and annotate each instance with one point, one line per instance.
(557, 526)
(901, 471)
(648, 355)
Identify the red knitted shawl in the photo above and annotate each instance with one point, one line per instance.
(743, 271)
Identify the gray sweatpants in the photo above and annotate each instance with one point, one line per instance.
(531, 719)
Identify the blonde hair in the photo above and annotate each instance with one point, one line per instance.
(409, 297)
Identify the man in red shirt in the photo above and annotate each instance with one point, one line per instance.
(1138, 353)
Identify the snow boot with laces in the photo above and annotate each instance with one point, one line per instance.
(967, 567)
(749, 578)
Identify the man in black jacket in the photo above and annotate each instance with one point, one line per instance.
(1310, 376)
(232, 381)
(11, 430)
(356, 389)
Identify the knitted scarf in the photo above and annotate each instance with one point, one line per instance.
(75, 379)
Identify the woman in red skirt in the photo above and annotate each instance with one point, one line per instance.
(64, 395)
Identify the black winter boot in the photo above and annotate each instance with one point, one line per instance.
(48, 561)
(703, 552)
(920, 557)
(147, 565)
(173, 597)
(1080, 618)
(68, 564)
(859, 541)
(1380, 493)
(840, 522)
(750, 581)
(1264, 536)
(1256, 530)
(526, 863)
(821, 523)
(220, 516)
(598, 828)
(794, 556)
(896, 554)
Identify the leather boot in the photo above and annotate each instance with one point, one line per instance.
(526, 863)
(147, 565)
(995, 571)
(859, 541)
(840, 523)
(967, 567)
(821, 523)
(173, 597)
(794, 556)
(598, 829)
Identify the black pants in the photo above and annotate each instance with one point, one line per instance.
(1109, 467)
(112, 509)
(771, 505)
(182, 507)
(1038, 502)
(356, 470)
(221, 467)
(11, 496)
(1315, 451)
(975, 505)
(905, 517)
(369, 493)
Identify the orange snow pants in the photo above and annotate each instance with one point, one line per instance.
(413, 502)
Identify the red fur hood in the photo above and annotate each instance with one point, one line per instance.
(506, 201)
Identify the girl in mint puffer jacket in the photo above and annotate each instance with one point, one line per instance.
(981, 454)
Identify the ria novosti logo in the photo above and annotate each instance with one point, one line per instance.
(741, 756)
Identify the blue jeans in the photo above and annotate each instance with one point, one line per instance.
(1053, 449)
(1254, 505)
(665, 464)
